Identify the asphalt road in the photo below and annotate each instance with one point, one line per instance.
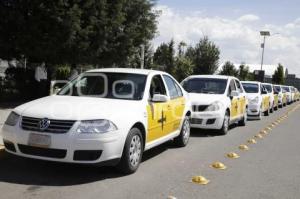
(269, 169)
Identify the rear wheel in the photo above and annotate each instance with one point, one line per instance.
(132, 152)
(272, 109)
(225, 126)
(184, 136)
(267, 112)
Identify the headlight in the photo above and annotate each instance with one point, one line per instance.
(255, 100)
(12, 119)
(96, 126)
(214, 106)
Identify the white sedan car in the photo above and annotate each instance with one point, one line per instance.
(217, 101)
(258, 98)
(107, 116)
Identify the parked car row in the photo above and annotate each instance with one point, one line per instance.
(111, 116)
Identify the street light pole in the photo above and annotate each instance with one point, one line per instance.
(264, 34)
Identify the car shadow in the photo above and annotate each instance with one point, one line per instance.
(26, 171)
(209, 132)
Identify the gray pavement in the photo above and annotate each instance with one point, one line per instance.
(270, 169)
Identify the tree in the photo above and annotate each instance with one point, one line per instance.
(106, 33)
(183, 68)
(243, 73)
(278, 76)
(205, 56)
(164, 57)
(229, 69)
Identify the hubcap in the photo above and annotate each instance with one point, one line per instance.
(186, 131)
(135, 150)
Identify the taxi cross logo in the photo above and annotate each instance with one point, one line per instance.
(162, 120)
(44, 124)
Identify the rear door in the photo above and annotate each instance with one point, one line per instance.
(175, 106)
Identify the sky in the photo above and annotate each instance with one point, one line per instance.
(234, 26)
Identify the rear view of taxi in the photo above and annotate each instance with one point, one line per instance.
(217, 101)
(258, 98)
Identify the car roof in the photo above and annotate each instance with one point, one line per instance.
(267, 84)
(211, 76)
(251, 82)
(125, 70)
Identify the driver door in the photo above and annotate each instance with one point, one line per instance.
(156, 111)
(234, 101)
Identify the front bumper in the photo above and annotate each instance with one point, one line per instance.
(69, 147)
(253, 110)
(207, 120)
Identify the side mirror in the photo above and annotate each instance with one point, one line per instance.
(234, 94)
(160, 98)
(276, 92)
(264, 91)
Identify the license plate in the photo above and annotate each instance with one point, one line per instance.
(39, 140)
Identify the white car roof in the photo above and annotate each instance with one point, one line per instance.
(267, 84)
(251, 82)
(211, 76)
(126, 70)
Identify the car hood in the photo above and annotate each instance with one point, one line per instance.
(204, 99)
(79, 108)
(251, 96)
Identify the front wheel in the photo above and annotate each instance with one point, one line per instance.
(243, 121)
(267, 112)
(225, 126)
(132, 152)
(184, 135)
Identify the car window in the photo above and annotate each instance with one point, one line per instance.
(157, 86)
(231, 87)
(268, 87)
(251, 88)
(171, 85)
(205, 85)
(125, 86)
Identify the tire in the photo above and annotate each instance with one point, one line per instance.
(183, 138)
(225, 126)
(132, 152)
(267, 112)
(243, 121)
(272, 109)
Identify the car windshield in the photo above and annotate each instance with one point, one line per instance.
(286, 89)
(205, 85)
(107, 85)
(250, 88)
(277, 88)
(268, 87)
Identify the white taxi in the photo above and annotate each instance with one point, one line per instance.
(258, 97)
(288, 93)
(106, 116)
(217, 101)
(281, 96)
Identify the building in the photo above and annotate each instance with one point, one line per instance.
(292, 80)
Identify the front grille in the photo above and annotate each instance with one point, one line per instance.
(199, 108)
(43, 152)
(56, 126)
(196, 121)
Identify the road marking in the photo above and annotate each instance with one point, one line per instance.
(171, 197)
(258, 136)
(243, 147)
(232, 155)
(218, 165)
(200, 180)
(251, 141)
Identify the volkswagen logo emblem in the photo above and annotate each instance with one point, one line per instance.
(44, 124)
